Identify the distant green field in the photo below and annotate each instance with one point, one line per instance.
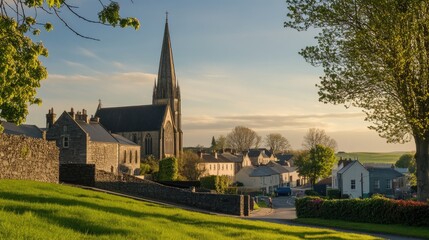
(372, 157)
(33, 210)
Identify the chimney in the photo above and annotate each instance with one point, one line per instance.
(95, 119)
(85, 116)
(72, 114)
(215, 154)
(50, 118)
(200, 154)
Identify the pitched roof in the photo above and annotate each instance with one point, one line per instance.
(392, 172)
(23, 129)
(277, 167)
(348, 166)
(123, 140)
(96, 132)
(209, 158)
(132, 118)
(254, 153)
(231, 157)
(283, 158)
(379, 165)
(263, 171)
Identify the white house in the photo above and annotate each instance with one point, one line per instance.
(215, 164)
(263, 178)
(351, 179)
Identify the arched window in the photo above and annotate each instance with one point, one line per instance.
(136, 157)
(148, 144)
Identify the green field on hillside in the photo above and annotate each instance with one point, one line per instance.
(33, 210)
(372, 157)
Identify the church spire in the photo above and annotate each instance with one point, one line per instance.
(166, 86)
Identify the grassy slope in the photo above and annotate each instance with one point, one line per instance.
(32, 210)
(372, 157)
(409, 231)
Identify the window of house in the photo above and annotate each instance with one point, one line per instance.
(353, 184)
(136, 157)
(377, 184)
(131, 155)
(222, 166)
(66, 141)
(389, 183)
(210, 166)
(148, 144)
(125, 156)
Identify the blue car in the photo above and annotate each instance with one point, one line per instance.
(283, 191)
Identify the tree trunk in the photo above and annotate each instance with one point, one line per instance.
(422, 170)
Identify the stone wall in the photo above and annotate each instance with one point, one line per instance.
(221, 203)
(28, 159)
(81, 174)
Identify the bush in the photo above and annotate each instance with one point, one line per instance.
(311, 193)
(334, 194)
(370, 210)
(231, 190)
(168, 169)
(218, 183)
(145, 168)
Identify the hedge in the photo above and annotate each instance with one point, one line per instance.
(370, 210)
(218, 183)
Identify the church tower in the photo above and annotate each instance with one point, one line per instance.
(166, 89)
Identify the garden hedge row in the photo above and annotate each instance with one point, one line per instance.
(370, 210)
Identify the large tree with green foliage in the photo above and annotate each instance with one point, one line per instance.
(20, 68)
(316, 163)
(168, 169)
(189, 168)
(375, 56)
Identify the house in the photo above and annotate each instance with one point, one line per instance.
(240, 160)
(289, 176)
(351, 179)
(82, 140)
(385, 181)
(259, 157)
(216, 164)
(285, 159)
(24, 129)
(260, 178)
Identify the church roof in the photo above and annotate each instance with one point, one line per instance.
(123, 140)
(132, 118)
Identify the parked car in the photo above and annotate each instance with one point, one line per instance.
(283, 191)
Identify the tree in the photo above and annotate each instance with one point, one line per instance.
(241, 138)
(316, 163)
(149, 165)
(20, 68)
(404, 161)
(188, 166)
(168, 169)
(316, 136)
(258, 141)
(213, 145)
(221, 142)
(375, 57)
(277, 143)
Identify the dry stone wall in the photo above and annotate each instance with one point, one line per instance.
(222, 203)
(28, 159)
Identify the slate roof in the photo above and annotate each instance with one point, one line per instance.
(96, 132)
(262, 171)
(231, 157)
(23, 129)
(378, 165)
(283, 158)
(384, 171)
(348, 166)
(254, 153)
(132, 118)
(209, 158)
(123, 140)
(277, 167)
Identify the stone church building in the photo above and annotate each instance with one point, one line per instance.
(156, 127)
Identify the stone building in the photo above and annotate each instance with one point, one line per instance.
(82, 140)
(157, 127)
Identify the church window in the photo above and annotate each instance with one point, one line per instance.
(131, 156)
(148, 144)
(66, 141)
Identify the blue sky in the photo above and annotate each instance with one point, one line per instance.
(235, 63)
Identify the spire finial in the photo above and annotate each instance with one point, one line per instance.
(166, 16)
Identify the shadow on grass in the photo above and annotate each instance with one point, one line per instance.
(75, 224)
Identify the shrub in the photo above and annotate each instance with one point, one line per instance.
(311, 193)
(334, 194)
(218, 183)
(370, 210)
(145, 168)
(168, 169)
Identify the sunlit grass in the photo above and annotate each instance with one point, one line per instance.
(372, 157)
(32, 210)
(396, 229)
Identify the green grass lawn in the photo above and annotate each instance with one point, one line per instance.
(373, 157)
(33, 210)
(395, 229)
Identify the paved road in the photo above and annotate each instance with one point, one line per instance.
(283, 212)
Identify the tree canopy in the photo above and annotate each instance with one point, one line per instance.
(276, 142)
(375, 56)
(188, 166)
(20, 68)
(316, 163)
(241, 138)
(316, 136)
